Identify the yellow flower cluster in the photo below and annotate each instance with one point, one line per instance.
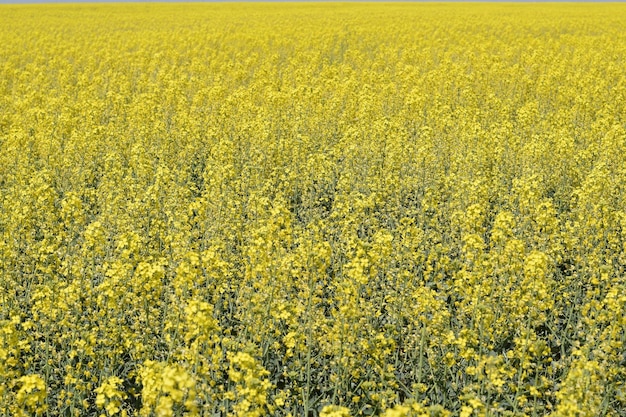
(31, 396)
(164, 388)
(312, 210)
(109, 397)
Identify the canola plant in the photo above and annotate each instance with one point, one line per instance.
(313, 210)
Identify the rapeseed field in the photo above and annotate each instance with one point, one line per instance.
(313, 210)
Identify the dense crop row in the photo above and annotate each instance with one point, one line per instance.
(315, 209)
